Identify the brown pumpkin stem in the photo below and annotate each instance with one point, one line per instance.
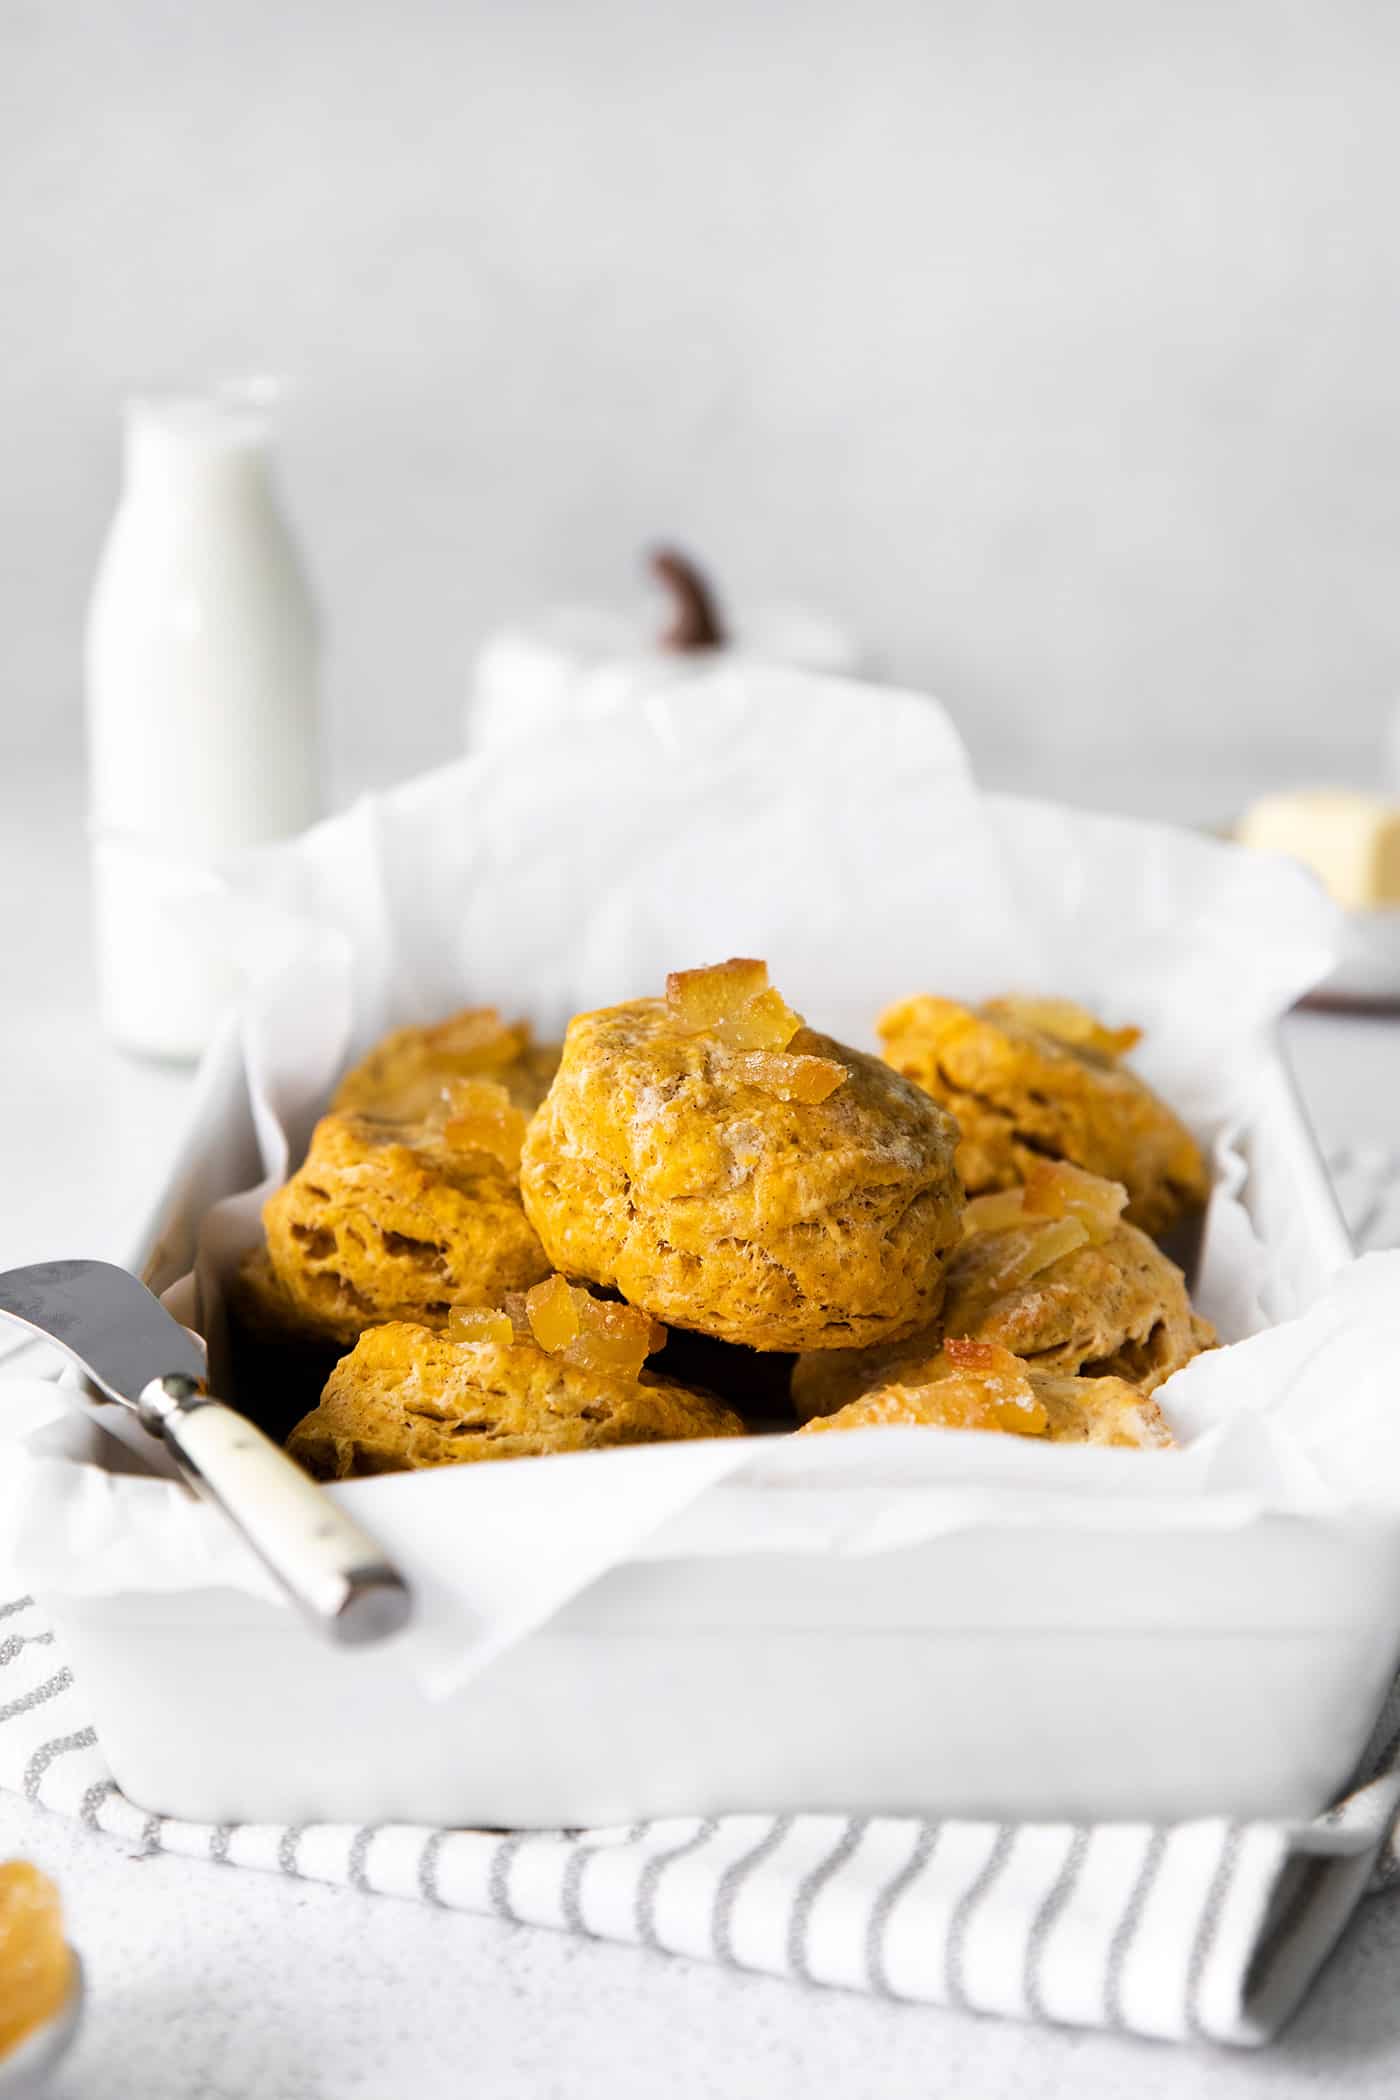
(695, 621)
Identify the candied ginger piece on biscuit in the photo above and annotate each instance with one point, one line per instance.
(789, 1076)
(479, 1323)
(998, 1211)
(734, 1002)
(595, 1333)
(1052, 1189)
(1022, 1253)
(699, 998)
(1068, 1023)
(766, 1023)
(986, 1387)
(478, 1115)
(1056, 1189)
(552, 1313)
(615, 1338)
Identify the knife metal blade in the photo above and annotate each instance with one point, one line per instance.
(110, 1324)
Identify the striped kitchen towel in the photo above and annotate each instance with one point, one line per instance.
(1206, 1931)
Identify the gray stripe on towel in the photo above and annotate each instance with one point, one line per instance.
(498, 1883)
(287, 1846)
(16, 1604)
(18, 1642)
(1125, 1931)
(571, 1890)
(965, 1910)
(92, 1802)
(57, 1746)
(811, 1887)
(1208, 1926)
(357, 1866)
(1052, 1909)
(877, 1930)
(732, 1880)
(649, 1880)
(427, 1868)
(61, 1681)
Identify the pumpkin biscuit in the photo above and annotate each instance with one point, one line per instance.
(1068, 1286)
(1030, 1079)
(977, 1385)
(405, 1076)
(405, 1398)
(730, 1171)
(388, 1221)
(1116, 1309)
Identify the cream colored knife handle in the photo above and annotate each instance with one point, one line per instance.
(331, 1569)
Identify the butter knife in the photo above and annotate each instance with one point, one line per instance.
(136, 1354)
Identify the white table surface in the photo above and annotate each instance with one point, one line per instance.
(213, 1982)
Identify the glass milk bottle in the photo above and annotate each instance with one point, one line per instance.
(201, 693)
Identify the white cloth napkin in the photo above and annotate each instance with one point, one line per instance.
(1206, 1931)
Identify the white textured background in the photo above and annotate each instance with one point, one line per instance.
(1054, 346)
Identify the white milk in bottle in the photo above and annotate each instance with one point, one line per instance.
(201, 691)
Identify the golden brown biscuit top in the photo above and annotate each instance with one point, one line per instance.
(1021, 1092)
(682, 1116)
(405, 1075)
(412, 1159)
(406, 1398)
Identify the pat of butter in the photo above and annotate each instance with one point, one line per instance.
(1351, 841)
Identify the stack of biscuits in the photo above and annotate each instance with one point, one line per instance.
(699, 1217)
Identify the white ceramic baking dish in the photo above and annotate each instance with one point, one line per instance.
(1030, 1670)
(900, 1620)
